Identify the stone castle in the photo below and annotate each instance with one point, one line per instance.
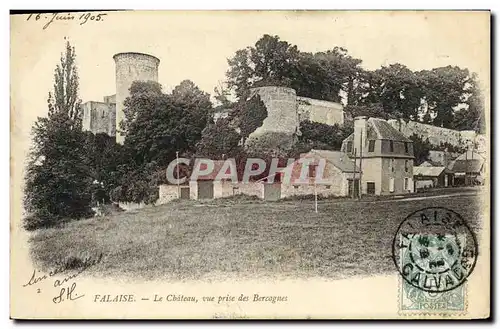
(105, 117)
(285, 109)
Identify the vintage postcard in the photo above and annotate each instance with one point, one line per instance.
(250, 165)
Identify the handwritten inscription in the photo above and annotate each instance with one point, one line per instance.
(51, 18)
(86, 263)
(67, 293)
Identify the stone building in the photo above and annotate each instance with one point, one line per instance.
(105, 117)
(334, 179)
(385, 154)
(100, 117)
(428, 176)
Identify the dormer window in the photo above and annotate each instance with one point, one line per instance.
(371, 146)
(391, 146)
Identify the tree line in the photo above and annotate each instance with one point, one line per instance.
(447, 96)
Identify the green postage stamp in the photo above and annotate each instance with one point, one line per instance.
(435, 251)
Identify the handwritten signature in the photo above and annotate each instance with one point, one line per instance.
(82, 18)
(67, 294)
(87, 262)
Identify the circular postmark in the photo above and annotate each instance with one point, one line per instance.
(434, 249)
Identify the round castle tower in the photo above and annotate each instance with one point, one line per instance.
(131, 67)
(281, 104)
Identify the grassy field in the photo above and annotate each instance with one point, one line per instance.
(227, 239)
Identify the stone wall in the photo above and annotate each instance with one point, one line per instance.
(110, 99)
(320, 111)
(436, 135)
(128, 206)
(99, 117)
(281, 104)
(167, 193)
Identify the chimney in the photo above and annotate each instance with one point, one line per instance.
(360, 134)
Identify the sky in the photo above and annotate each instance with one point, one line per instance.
(196, 46)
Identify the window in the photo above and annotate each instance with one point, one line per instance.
(349, 147)
(312, 170)
(392, 165)
(407, 181)
(391, 146)
(406, 165)
(371, 146)
(391, 185)
(370, 187)
(407, 148)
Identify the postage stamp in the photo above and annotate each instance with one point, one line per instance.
(435, 251)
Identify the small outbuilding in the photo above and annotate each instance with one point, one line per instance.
(428, 177)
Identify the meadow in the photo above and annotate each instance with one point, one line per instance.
(242, 238)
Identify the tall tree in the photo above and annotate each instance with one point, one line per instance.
(270, 62)
(158, 125)
(444, 88)
(58, 180)
(472, 116)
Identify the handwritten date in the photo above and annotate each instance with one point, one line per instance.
(50, 18)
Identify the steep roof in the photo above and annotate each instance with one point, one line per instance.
(386, 131)
(428, 171)
(382, 130)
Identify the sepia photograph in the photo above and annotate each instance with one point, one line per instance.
(250, 165)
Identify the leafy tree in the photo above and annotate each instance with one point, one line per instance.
(221, 95)
(371, 110)
(276, 62)
(250, 115)
(324, 75)
(472, 117)
(219, 140)
(421, 149)
(323, 136)
(158, 125)
(227, 136)
(444, 88)
(104, 158)
(58, 180)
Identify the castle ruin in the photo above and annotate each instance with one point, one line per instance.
(285, 109)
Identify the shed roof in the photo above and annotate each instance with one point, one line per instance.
(470, 155)
(428, 171)
(339, 159)
(462, 166)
